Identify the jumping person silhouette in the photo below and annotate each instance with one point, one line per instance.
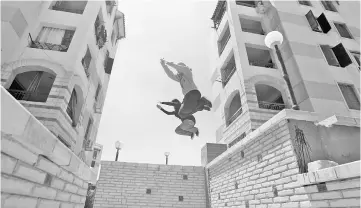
(193, 100)
(186, 128)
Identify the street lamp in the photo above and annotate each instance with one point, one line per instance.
(118, 146)
(274, 39)
(166, 157)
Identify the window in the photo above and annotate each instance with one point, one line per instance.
(92, 164)
(86, 62)
(336, 56)
(88, 129)
(228, 71)
(251, 26)
(246, 3)
(219, 13)
(243, 135)
(234, 109)
(32, 86)
(342, 30)
(269, 97)
(76, 7)
(223, 41)
(329, 6)
(259, 57)
(100, 31)
(306, 3)
(95, 153)
(106, 57)
(54, 39)
(317, 24)
(70, 110)
(356, 56)
(97, 92)
(348, 92)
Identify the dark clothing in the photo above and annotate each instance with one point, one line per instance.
(176, 111)
(191, 101)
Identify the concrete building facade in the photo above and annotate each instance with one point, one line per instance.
(56, 60)
(320, 49)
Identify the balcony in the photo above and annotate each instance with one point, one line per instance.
(100, 33)
(269, 64)
(234, 116)
(48, 46)
(223, 41)
(269, 97)
(76, 7)
(28, 95)
(259, 57)
(219, 13)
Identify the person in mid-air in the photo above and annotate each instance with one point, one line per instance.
(186, 128)
(193, 100)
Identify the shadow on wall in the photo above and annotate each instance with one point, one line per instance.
(340, 144)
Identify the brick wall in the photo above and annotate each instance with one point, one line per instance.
(260, 173)
(337, 186)
(125, 185)
(37, 170)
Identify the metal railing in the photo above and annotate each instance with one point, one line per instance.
(28, 95)
(48, 46)
(234, 116)
(271, 106)
(253, 30)
(262, 64)
(225, 81)
(71, 10)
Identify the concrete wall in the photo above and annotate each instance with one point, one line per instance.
(125, 184)
(337, 186)
(37, 170)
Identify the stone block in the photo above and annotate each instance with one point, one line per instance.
(348, 184)
(290, 205)
(13, 185)
(320, 164)
(7, 164)
(71, 188)
(351, 193)
(57, 183)
(61, 155)
(20, 202)
(62, 196)
(66, 205)
(43, 203)
(44, 192)
(326, 195)
(17, 150)
(30, 173)
(65, 175)
(352, 202)
(47, 166)
(348, 170)
(299, 197)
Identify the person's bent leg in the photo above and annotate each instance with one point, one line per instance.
(182, 132)
(188, 125)
(189, 103)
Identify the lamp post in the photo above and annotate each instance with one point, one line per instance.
(166, 157)
(274, 39)
(118, 146)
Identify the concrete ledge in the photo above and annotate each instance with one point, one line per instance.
(340, 120)
(19, 124)
(345, 171)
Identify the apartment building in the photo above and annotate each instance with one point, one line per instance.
(56, 60)
(320, 51)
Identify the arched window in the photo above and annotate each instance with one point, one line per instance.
(234, 109)
(269, 97)
(32, 86)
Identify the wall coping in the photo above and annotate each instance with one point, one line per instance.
(20, 125)
(344, 171)
(149, 165)
(282, 115)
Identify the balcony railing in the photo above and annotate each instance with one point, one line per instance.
(228, 77)
(48, 46)
(223, 45)
(28, 95)
(71, 10)
(100, 34)
(262, 64)
(271, 106)
(234, 116)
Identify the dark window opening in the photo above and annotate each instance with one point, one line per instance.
(180, 198)
(329, 6)
(343, 30)
(86, 62)
(269, 97)
(55, 39)
(259, 57)
(72, 106)
(238, 139)
(234, 110)
(95, 153)
(76, 7)
(336, 56)
(185, 177)
(319, 24)
(223, 41)
(246, 3)
(148, 191)
(92, 164)
(219, 13)
(306, 3)
(356, 55)
(97, 92)
(32, 86)
(228, 71)
(348, 92)
(251, 26)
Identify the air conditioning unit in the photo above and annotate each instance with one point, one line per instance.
(97, 107)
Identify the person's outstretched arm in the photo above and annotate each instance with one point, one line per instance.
(164, 111)
(180, 69)
(168, 103)
(168, 71)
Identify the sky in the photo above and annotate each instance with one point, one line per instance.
(177, 30)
